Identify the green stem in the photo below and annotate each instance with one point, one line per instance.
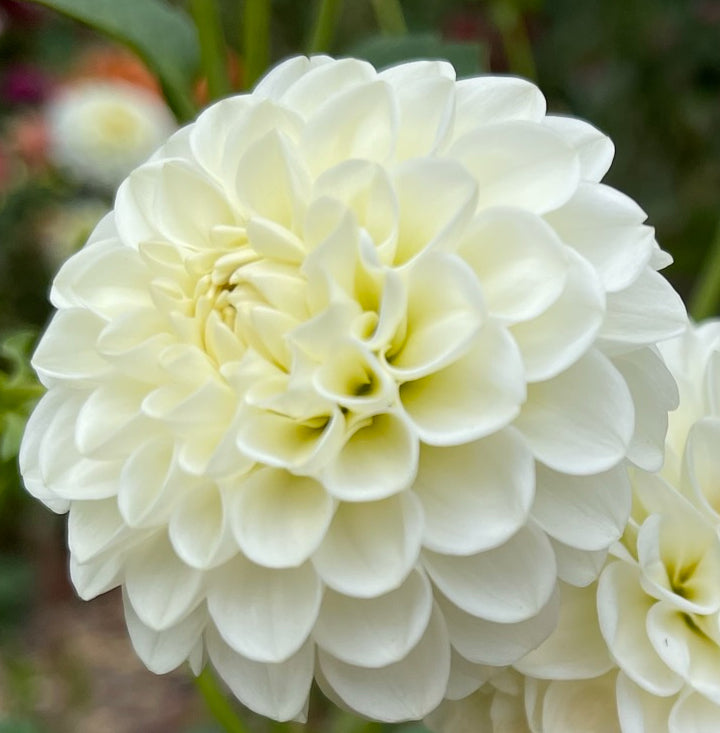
(516, 42)
(213, 52)
(217, 703)
(324, 30)
(705, 296)
(256, 44)
(390, 18)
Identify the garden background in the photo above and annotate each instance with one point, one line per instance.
(646, 72)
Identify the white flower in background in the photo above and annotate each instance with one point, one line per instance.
(99, 131)
(349, 378)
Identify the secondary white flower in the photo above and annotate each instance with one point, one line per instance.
(347, 380)
(659, 603)
(99, 131)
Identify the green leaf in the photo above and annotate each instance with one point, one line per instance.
(382, 51)
(162, 35)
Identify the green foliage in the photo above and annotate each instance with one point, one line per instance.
(19, 391)
(382, 51)
(162, 35)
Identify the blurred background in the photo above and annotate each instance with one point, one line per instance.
(646, 72)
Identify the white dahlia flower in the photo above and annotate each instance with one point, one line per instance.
(349, 378)
(99, 131)
(659, 602)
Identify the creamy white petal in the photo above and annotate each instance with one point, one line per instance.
(647, 311)
(507, 584)
(558, 337)
(493, 643)
(594, 149)
(521, 164)
(436, 199)
(475, 396)
(582, 706)
(606, 228)
(162, 589)
(164, 651)
(694, 713)
(279, 519)
(622, 610)
(375, 632)
(685, 648)
(475, 496)
(67, 348)
(97, 576)
(519, 260)
(586, 512)
(379, 459)
(654, 394)
(405, 690)
(581, 422)
(371, 547)
(575, 649)
(444, 314)
(264, 615)
(360, 122)
(641, 712)
(198, 528)
(578, 567)
(278, 691)
(487, 100)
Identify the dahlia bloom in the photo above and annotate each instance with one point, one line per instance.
(101, 130)
(659, 602)
(349, 378)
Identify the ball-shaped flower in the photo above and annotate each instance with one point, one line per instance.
(99, 131)
(349, 377)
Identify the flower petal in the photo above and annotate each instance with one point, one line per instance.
(405, 690)
(518, 259)
(264, 615)
(497, 644)
(473, 397)
(163, 651)
(594, 149)
(622, 610)
(278, 691)
(586, 512)
(375, 632)
(279, 519)
(519, 163)
(371, 547)
(475, 496)
(507, 584)
(379, 459)
(162, 589)
(575, 649)
(580, 422)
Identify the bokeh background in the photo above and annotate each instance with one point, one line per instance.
(646, 72)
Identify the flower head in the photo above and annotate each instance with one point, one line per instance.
(349, 378)
(100, 130)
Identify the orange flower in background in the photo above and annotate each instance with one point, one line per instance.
(117, 64)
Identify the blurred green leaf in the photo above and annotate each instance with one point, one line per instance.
(162, 35)
(16, 725)
(382, 51)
